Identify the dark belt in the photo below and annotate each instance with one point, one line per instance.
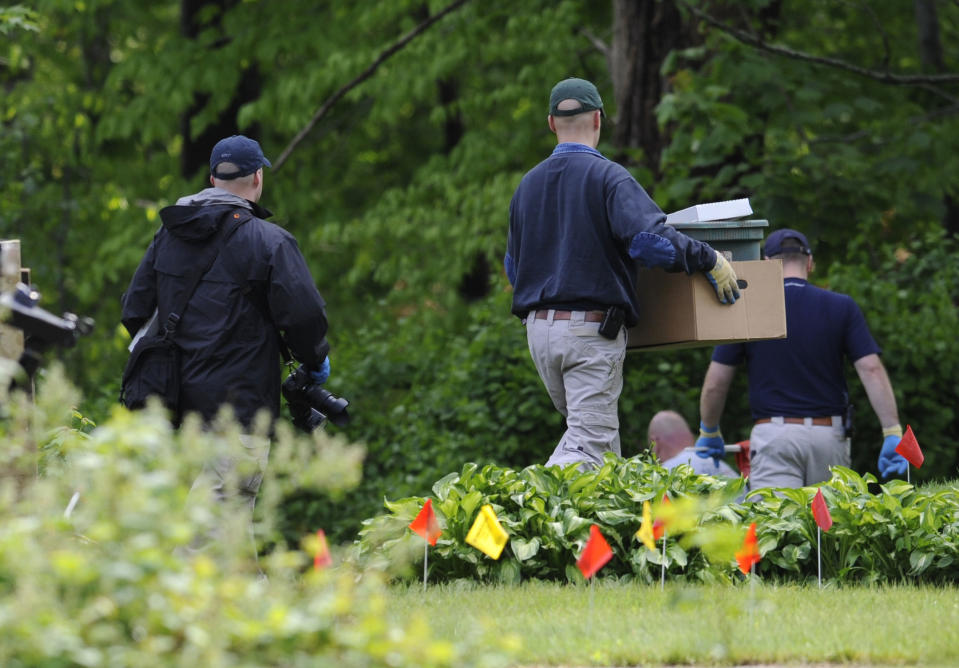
(818, 421)
(591, 316)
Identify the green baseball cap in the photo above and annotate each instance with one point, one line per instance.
(580, 90)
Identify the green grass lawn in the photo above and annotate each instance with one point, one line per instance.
(616, 624)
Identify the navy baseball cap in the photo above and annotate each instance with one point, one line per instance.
(777, 240)
(241, 151)
(580, 90)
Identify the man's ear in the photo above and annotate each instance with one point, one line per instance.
(551, 122)
(211, 180)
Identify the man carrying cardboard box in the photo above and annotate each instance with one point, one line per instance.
(797, 389)
(580, 226)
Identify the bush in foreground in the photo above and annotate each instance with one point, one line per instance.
(95, 567)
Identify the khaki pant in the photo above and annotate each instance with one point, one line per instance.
(583, 374)
(232, 481)
(795, 455)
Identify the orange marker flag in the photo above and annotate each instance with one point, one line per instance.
(322, 558)
(748, 554)
(425, 523)
(820, 511)
(595, 555)
(909, 448)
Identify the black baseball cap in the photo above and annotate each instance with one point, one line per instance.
(777, 240)
(241, 151)
(580, 90)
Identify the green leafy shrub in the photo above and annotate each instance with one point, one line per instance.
(548, 511)
(900, 534)
(99, 563)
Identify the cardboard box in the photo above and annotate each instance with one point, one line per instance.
(682, 311)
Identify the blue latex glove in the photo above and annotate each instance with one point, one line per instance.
(710, 443)
(723, 279)
(891, 462)
(321, 376)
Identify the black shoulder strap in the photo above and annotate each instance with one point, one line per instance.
(233, 221)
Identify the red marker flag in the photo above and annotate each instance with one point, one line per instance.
(659, 526)
(742, 458)
(595, 555)
(425, 523)
(748, 554)
(322, 558)
(820, 511)
(909, 448)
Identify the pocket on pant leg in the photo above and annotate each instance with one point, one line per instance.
(595, 431)
(593, 347)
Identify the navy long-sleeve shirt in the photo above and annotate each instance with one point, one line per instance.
(580, 226)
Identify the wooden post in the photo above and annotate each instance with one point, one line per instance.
(20, 465)
(11, 338)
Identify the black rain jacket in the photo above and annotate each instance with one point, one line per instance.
(231, 351)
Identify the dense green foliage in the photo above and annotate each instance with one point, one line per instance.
(398, 195)
(95, 570)
(897, 534)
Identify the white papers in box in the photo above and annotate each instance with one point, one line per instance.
(701, 213)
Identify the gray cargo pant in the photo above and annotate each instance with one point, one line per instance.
(583, 374)
(795, 455)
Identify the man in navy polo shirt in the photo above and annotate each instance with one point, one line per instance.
(797, 388)
(580, 226)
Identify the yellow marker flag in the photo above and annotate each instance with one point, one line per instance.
(487, 535)
(645, 532)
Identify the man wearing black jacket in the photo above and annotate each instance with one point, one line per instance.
(258, 289)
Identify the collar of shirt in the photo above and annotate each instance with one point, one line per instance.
(573, 147)
(795, 282)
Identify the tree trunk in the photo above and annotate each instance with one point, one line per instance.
(930, 55)
(644, 33)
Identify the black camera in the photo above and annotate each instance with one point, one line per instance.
(39, 326)
(41, 329)
(310, 404)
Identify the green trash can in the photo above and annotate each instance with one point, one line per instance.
(741, 238)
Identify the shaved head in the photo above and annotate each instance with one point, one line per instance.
(580, 128)
(669, 434)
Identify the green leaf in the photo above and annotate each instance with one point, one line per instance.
(524, 549)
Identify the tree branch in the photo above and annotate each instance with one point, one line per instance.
(366, 74)
(881, 76)
(597, 43)
(862, 134)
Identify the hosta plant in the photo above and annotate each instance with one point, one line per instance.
(897, 534)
